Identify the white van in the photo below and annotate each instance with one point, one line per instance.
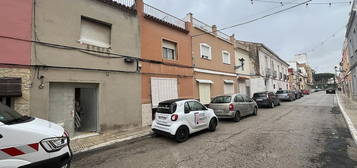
(31, 142)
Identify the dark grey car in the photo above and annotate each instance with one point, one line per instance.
(233, 106)
(285, 95)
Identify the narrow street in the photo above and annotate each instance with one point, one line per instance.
(308, 132)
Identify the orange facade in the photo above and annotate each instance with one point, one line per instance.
(154, 32)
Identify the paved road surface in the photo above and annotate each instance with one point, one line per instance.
(308, 132)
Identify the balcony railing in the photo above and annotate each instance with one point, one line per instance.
(203, 26)
(268, 72)
(165, 17)
(127, 3)
(223, 36)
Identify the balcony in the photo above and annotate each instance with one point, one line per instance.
(275, 74)
(202, 26)
(162, 17)
(126, 3)
(268, 72)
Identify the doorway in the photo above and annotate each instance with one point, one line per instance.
(74, 106)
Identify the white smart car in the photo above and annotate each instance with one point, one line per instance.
(181, 117)
(27, 142)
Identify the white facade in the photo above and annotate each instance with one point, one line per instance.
(273, 70)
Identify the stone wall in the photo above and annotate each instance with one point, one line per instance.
(21, 104)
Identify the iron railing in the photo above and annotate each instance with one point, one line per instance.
(203, 26)
(127, 3)
(163, 16)
(223, 36)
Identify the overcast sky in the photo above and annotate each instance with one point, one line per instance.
(288, 33)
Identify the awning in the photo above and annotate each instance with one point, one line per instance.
(204, 81)
(10, 87)
(229, 81)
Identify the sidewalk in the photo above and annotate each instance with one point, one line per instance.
(349, 111)
(94, 141)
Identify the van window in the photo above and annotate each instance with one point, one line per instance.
(222, 99)
(9, 116)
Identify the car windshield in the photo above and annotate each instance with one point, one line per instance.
(9, 116)
(222, 99)
(281, 91)
(166, 108)
(260, 95)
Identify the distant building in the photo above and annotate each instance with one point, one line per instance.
(301, 58)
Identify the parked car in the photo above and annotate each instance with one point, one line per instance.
(285, 95)
(266, 99)
(301, 93)
(179, 118)
(306, 92)
(330, 91)
(297, 94)
(31, 142)
(233, 106)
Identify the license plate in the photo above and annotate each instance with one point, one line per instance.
(259, 100)
(162, 118)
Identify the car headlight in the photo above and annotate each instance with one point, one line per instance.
(54, 144)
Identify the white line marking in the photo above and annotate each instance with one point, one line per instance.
(348, 121)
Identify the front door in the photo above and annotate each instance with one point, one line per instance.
(88, 103)
(205, 93)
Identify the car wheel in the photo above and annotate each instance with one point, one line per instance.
(212, 125)
(182, 134)
(272, 105)
(255, 112)
(237, 117)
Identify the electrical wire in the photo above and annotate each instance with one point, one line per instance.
(253, 20)
(323, 42)
(91, 52)
(312, 3)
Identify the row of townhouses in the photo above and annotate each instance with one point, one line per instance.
(348, 65)
(104, 64)
(300, 73)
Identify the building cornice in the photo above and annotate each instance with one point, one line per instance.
(213, 72)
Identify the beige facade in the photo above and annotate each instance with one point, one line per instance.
(106, 86)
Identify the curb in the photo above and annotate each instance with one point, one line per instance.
(348, 121)
(113, 142)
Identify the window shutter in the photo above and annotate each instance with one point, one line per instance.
(168, 44)
(95, 33)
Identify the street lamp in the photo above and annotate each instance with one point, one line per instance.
(241, 64)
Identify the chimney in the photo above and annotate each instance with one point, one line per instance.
(232, 39)
(214, 30)
(139, 5)
(189, 17)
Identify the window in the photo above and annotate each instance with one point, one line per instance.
(205, 50)
(169, 50)
(95, 33)
(226, 57)
(195, 106)
(222, 99)
(238, 98)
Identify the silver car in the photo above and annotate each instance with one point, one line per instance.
(233, 106)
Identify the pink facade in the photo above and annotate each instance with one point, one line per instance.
(16, 19)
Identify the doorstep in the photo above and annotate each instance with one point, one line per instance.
(96, 140)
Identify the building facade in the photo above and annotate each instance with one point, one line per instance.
(245, 69)
(15, 55)
(166, 69)
(86, 69)
(345, 77)
(213, 61)
(351, 38)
